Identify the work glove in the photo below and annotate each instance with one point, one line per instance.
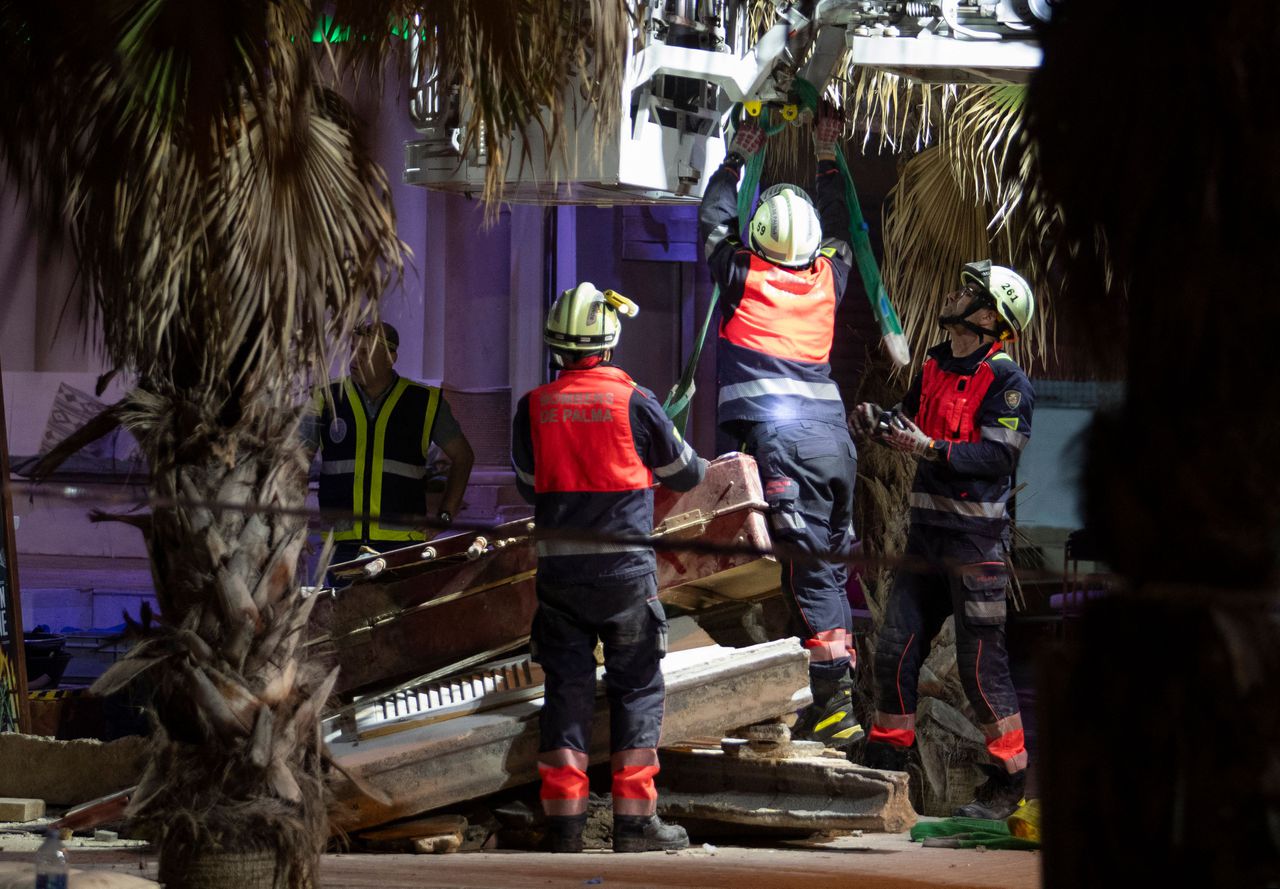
(904, 435)
(863, 418)
(827, 129)
(747, 140)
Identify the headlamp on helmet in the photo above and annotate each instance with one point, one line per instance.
(584, 319)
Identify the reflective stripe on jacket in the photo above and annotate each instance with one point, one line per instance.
(775, 348)
(777, 323)
(380, 470)
(981, 405)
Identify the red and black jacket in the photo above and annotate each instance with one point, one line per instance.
(980, 405)
(586, 450)
(777, 324)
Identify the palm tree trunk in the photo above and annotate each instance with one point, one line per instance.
(236, 769)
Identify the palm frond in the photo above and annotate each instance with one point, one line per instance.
(900, 114)
(979, 132)
(227, 219)
(931, 228)
(527, 71)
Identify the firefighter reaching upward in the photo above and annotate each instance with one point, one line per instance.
(966, 417)
(777, 401)
(587, 449)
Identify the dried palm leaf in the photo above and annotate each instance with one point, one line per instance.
(978, 134)
(931, 228)
(900, 113)
(525, 71)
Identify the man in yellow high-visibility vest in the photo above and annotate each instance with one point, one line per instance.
(374, 434)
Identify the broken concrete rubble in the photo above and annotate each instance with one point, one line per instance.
(802, 790)
(67, 773)
(20, 809)
(709, 691)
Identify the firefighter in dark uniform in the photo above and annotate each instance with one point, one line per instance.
(778, 298)
(374, 433)
(967, 417)
(587, 449)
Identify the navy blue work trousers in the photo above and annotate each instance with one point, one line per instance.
(808, 469)
(628, 619)
(946, 572)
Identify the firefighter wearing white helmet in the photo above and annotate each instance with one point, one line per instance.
(1002, 290)
(587, 449)
(778, 297)
(967, 417)
(785, 227)
(584, 319)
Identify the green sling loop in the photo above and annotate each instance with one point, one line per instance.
(895, 343)
(677, 404)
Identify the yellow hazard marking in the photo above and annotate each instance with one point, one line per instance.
(849, 732)
(1008, 422)
(830, 721)
(55, 694)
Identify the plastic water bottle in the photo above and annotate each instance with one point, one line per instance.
(51, 863)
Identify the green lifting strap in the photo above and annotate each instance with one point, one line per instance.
(887, 319)
(895, 343)
(677, 404)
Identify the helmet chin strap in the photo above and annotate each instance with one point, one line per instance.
(945, 321)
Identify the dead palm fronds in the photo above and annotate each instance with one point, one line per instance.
(230, 230)
(902, 115)
(969, 198)
(526, 72)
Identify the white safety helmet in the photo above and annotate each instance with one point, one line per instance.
(785, 228)
(1010, 294)
(584, 319)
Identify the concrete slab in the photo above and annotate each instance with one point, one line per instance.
(67, 773)
(817, 793)
(709, 691)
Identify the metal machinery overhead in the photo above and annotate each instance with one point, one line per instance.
(690, 61)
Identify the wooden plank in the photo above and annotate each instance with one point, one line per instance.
(709, 691)
(437, 825)
(434, 604)
(15, 713)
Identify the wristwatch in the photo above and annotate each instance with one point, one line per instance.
(445, 517)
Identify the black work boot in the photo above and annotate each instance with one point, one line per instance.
(998, 798)
(830, 718)
(647, 833)
(886, 757)
(564, 832)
